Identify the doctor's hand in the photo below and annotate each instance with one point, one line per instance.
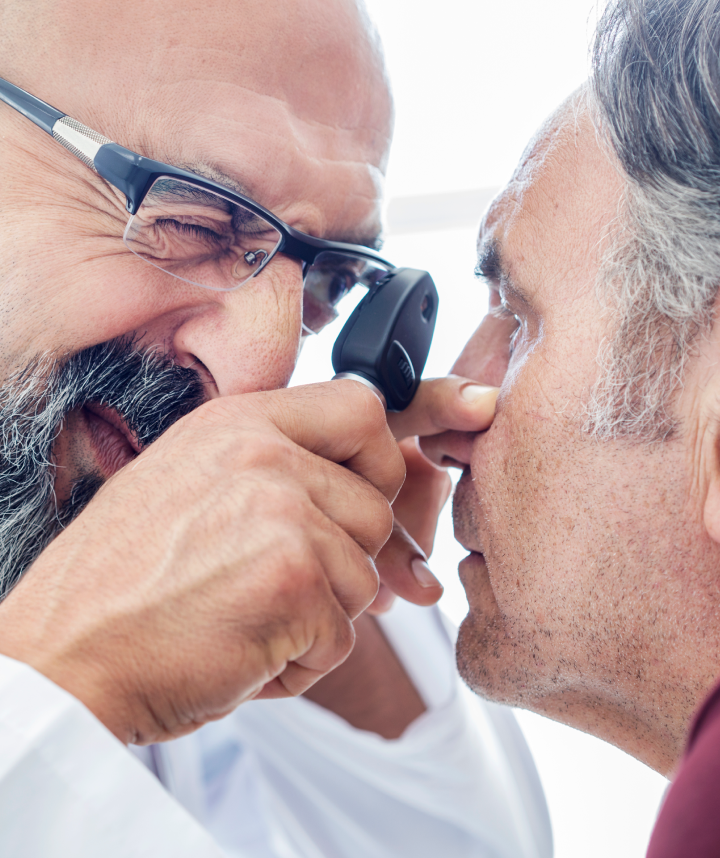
(441, 405)
(226, 562)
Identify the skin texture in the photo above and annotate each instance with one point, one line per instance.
(181, 591)
(186, 89)
(354, 691)
(593, 579)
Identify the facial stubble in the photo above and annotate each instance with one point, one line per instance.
(148, 390)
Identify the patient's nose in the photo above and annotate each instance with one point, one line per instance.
(487, 353)
(485, 359)
(449, 449)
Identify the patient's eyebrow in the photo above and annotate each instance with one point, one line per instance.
(489, 263)
(490, 266)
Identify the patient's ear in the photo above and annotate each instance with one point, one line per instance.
(708, 387)
(711, 512)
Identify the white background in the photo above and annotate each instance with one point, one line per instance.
(472, 80)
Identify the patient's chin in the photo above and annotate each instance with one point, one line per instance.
(477, 659)
(488, 660)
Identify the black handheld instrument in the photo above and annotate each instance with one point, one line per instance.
(386, 340)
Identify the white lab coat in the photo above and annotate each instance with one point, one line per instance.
(276, 779)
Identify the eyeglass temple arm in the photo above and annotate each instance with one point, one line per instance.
(129, 172)
(42, 114)
(114, 163)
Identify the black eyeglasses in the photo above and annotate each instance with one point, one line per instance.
(201, 232)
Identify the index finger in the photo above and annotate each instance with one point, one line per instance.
(442, 404)
(341, 421)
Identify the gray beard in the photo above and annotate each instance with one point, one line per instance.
(148, 390)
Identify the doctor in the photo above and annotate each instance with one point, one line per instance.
(179, 533)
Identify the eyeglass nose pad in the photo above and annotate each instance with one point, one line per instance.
(251, 258)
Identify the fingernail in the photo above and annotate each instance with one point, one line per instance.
(471, 392)
(422, 573)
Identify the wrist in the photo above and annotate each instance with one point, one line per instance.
(27, 635)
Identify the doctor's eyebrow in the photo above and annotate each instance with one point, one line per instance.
(214, 174)
(490, 267)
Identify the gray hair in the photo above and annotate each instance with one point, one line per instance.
(656, 95)
(147, 389)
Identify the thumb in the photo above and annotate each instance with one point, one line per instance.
(442, 404)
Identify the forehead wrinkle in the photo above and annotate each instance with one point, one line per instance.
(370, 108)
(334, 135)
(360, 159)
(322, 152)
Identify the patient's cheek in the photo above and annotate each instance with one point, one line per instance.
(514, 481)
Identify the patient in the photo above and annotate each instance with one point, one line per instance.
(591, 507)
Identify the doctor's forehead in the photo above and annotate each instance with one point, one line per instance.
(159, 54)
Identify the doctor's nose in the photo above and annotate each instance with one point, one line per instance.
(247, 339)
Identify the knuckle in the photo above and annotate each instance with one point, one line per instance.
(384, 523)
(361, 580)
(265, 450)
(305, 572)
(398, 469)
(344, 638)
(368, 407)
(373, 519)
(272, 502)
(296, 575)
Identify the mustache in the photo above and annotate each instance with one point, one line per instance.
(146, 388)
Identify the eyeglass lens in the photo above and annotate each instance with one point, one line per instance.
(206, 239)
(200, 236)
(329, 279)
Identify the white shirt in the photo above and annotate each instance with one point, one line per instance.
(276, 779)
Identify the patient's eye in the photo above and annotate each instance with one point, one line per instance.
(502, 311)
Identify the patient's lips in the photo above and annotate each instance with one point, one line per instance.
(467, 515)
(113, 443)
(464, 531)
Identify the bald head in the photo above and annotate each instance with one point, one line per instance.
(151, 75)
(284, 100)
(322, 56)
